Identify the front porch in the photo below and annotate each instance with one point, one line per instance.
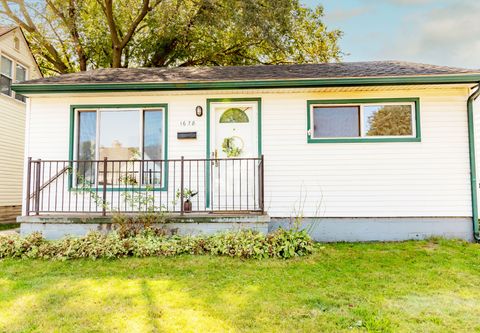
(195, 195)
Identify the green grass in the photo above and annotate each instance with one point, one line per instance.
(383, 287)
(8, 226)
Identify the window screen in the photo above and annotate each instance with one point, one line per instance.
(336, 121)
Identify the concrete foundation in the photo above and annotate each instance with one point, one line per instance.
(322, 230)
(382, 228)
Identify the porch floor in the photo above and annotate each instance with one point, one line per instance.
(170, 217)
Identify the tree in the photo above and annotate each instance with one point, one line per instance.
(71, 35)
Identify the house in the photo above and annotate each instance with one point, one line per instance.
(355, 151)
(16, 64)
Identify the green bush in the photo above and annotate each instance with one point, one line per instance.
(149, 242)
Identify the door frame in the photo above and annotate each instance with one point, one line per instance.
(210, 101)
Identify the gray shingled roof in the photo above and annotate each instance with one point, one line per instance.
(252, 73)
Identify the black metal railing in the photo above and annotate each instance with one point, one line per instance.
(135, 186)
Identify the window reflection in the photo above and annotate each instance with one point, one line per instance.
(152, 146)
(87, 126)
(119, 139)
(388, 120)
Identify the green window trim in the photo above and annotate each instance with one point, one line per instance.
(258, 100)
(73, 110)
(414, 100)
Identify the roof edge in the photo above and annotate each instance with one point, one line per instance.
(9, 29)
(25, 88)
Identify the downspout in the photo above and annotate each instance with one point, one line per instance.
(473, 171)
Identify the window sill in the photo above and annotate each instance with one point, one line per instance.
(362, 140)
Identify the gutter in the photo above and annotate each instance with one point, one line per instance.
(473, 171)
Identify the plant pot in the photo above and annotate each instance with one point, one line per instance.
(187, 206)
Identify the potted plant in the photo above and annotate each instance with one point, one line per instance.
(187, 195)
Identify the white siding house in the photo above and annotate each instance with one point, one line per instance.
(17, 64)
(359, 186)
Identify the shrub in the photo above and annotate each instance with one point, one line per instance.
(132, 225)
(243, 244)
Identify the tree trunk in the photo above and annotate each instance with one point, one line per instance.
(83, 62)
(116, 57)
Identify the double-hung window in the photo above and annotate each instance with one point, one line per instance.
(363, 120)
(6, 75)
(11, 72)
(132, 140)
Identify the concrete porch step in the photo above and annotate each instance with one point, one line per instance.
(60, 225)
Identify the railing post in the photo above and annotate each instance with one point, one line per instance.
(37, 187)
(262, 186)
(29, 175)
(104, 194)
(181, 185)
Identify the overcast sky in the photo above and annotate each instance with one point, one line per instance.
(442, 32)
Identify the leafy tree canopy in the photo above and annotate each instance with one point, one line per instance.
(72, 35)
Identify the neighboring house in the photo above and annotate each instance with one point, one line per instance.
(357, 151)
(16, 64)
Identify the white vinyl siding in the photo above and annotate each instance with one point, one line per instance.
(381, 179)
(12, 131)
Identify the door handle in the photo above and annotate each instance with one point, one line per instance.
(215, 157)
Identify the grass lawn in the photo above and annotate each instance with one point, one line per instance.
(414, 286)
(8, 226)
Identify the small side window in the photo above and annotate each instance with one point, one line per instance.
(359, 120)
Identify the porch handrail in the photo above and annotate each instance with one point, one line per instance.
(51, 180)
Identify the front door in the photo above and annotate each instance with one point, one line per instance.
(234, 148)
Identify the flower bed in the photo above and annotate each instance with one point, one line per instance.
(151, 242)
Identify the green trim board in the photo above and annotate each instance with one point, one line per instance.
(414, 100)
(75, 107)
(208, 120)
(23, 88)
